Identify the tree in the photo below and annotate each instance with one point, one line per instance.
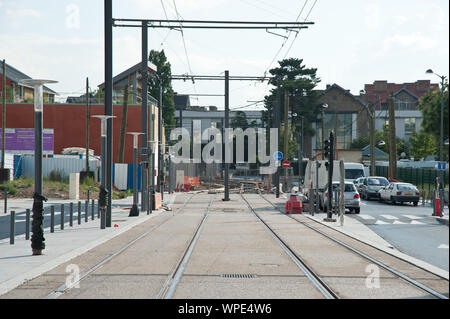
(423, 144)
(363, 141)
(240, 121)
(402, 146)
(430, 106)
(300, 83)
(164, 73)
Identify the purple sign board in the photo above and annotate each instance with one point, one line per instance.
(21, 140)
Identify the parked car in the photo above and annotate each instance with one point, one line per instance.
(371, 185)
(358, 184)
(400, 192)
(351, 197)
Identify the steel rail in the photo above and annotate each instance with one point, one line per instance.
(324, 289)
(371, 259)
(168, 289)
(65, 287)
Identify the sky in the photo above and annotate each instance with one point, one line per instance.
(351, 43)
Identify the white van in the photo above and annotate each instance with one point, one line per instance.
(353, 171)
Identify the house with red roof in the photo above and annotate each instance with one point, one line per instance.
(406, 100)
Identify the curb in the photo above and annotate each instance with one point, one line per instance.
(443, 221)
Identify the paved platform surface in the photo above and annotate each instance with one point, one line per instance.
(234, 256)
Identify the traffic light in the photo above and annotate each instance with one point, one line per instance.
(327, 149)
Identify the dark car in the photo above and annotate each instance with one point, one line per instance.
(371, 186)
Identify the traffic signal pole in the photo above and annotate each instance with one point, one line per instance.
(329, 153)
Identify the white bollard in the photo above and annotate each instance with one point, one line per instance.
(74, 186)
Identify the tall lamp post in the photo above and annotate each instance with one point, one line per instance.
(152, 175)
(37, 238)
(441, 138)
(134, 212)
(103, 196)
(371, 111)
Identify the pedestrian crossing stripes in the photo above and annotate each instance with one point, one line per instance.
(389, 217)
(386, 219)
(366, 217)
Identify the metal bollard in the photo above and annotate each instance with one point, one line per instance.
(423, 197)
(92, 208)
(12, 229)
(62, 216)
(79, 213)
(98, 210)
(27, 224)
(6, 200)
(52, 219)
(71, 215)
(86, 209)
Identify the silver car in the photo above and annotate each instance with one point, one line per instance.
(351, 197)
(371, 186)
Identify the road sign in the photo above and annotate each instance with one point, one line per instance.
(286, 164)
(278, 156)
(441, 166)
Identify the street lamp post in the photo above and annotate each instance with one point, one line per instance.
(152, 175)
(37, 238)
(103, 196)
(134, 212)
(371, 112)
(441, 138)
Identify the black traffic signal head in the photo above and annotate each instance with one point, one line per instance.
(327, 165)
(327, 148)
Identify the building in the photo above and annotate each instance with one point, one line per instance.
(408, 118)
(131, 77)
(211, 117)
(18, 93)
(346, 114)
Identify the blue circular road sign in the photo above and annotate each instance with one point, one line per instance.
(278, 156)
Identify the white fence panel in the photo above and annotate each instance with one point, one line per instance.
(65, 166)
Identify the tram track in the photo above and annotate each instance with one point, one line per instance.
(321, 285)
(399, 274)
(58, 292)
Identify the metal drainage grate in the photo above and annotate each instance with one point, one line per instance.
(238, 276)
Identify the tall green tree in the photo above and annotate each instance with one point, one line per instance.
(300, 82)
(164, 72)
(423, 144)
(430, 106)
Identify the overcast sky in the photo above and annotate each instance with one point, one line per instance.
(352, 42)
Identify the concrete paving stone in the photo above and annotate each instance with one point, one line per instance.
(117, 287)
(253, 288)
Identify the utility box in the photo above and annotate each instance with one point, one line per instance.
(74, 186)
(4, 175)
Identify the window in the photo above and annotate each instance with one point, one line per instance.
(378, 181)
(410, 126)
(344, 124)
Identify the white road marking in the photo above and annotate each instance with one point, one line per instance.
(416, 223)
(443, 246)
(366, 217)
(379, 222)
(398, 223)
(389, 217)
(412, 217)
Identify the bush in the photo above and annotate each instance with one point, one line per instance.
(55, 176)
